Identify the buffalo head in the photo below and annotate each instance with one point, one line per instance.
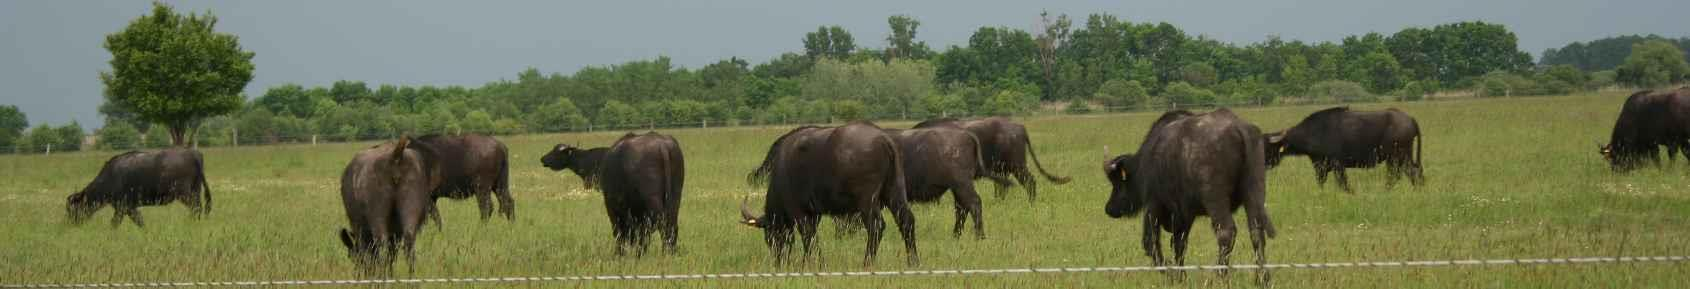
(1123, 199)
(558, 158)
(79, 207)
(1275, 148)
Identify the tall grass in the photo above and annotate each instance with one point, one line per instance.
(1506, 178)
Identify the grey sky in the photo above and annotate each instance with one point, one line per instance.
(51, 54)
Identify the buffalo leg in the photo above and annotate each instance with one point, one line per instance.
(507, 206)
(1002, 189)
(135, 215)
(906, 228)
(807, 234)
(117, 215)
(1027, 180)
(1393, 171)
(410, 224)
(619, 228)
(1225, 232)
(1180, 239)
(1258, 242)
(1320, 171)
(485, 202)
(1343, 179)
(875, 227)
(669, 226)
(968, 201)
(1152, 240)
(642, 233)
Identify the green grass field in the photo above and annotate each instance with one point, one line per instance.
(1507, 178)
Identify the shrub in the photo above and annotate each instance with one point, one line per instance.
(1339, 91)
(1185, 94)
(118, 136)
(1077, 107)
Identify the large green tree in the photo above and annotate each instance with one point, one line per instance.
(1653, 63)
(12, 124)
(175, 69)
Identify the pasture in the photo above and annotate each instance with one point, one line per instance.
(1506, 178)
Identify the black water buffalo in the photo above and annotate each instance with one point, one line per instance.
(386, 190)
(814, 171)
(1192, 165)
(584, 162)
(941, 159)
(472, 165)
(134, 179)
(1338, 138)
(1649, 120)
(641, 180)
(1004, 146)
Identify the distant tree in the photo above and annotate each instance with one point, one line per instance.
(901, 42)
(1601, 54)
(830, 42)
(1200, 74)
(1378, 71)
(1297, 75)
(1119, 93)
(618, 113)
(70, 136)
(12, 125)
(787, 65)
(347, 92)
(40, 138)
(1568, 74)
(288, 99)
(938, 104)
(560, 115)
(1053, 34)
(1653, 63)
(174, 69)
(1602, 79)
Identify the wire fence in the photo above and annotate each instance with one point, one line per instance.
(888, 274)
(236, 137)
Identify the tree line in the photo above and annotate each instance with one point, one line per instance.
(1102, 63)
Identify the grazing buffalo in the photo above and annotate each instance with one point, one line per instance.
(472, 165)
(1192, 165)
(386, 190)
(134, 179)
(584, 162)
(943, 159)
(641, 179)
(814, 171)
(1649, 120)
(1004, 147)
(1338, 138)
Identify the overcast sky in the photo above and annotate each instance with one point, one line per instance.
(51, 56)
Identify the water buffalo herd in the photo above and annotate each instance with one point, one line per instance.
(1188, 165)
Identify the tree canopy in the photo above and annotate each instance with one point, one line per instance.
(175, 69)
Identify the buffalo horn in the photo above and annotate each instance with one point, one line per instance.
(745, 211)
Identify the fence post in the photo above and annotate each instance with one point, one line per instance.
(705, 123)
(313, 140)
(49, 149)
(235, 136)
(589, 127)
